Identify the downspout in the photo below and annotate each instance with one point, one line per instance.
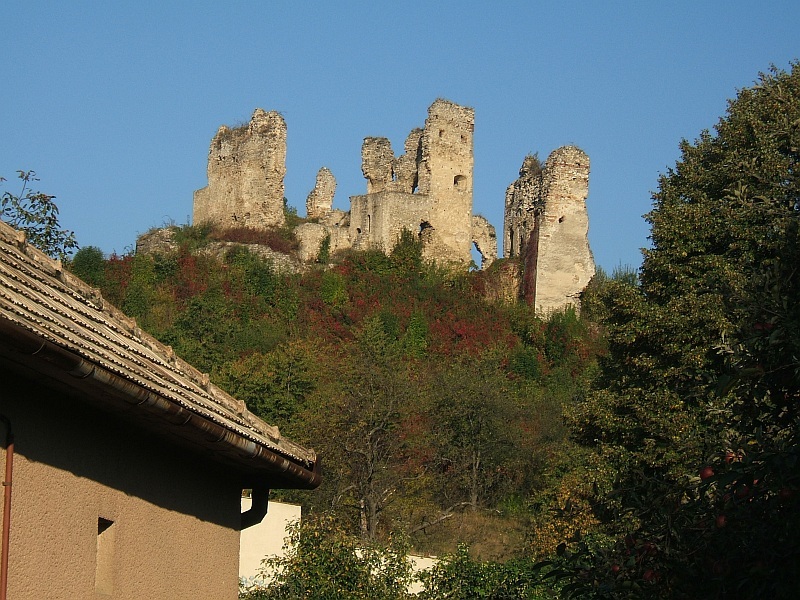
(6, 507)
(258, 508)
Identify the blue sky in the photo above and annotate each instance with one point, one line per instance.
(114, 104)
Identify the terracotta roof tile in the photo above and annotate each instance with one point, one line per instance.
(38, 296)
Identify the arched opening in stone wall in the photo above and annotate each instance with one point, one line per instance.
(477, 257)
(460, 182)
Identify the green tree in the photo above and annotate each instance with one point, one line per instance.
(274, 386)
(475, 413)
(697, 407)
(366, 410)
(89, 264)
(36, 214)
(323, 561)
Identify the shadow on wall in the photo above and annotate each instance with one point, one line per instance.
(65, 432)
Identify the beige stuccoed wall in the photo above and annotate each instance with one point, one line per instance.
(175, 516)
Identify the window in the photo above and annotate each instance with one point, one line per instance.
(460, 182)
(104, 567)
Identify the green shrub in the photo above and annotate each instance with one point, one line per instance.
(89, 264)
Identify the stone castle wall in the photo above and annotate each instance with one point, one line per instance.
(320, 201)
(427, 190)
(547, 224)
(246, 167)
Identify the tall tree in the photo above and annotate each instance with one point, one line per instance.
(474, 413)
(699, 400)
(365, 409)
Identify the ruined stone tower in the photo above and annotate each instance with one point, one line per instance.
(546, 224)
(427, 190)
(246, 167)
(319, 202)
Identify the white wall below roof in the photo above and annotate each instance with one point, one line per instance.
(265, 538)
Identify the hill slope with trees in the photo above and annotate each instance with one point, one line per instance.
(648, 449)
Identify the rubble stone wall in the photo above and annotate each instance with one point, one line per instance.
(428, 189)
(320, 201)
(485, 240)
(546, 207)
(246, 167)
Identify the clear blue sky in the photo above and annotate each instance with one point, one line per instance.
(114, 103)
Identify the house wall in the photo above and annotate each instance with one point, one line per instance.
(266, 538)
(102, 510)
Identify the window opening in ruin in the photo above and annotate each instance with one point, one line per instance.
(424, 228)
(104, 564)
(369, 222)
(459, 182)
(441, 133)
(511, 241)
(476, 264)
(561, 219)
(358, 230)
(415, 185)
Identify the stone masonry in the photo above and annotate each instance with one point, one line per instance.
(246, 167)
(546, 225)
(426, 190)
(320, 201)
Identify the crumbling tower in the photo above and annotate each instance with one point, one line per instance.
(427, 190)
(246, 167)
(546, 225)
(319, 202)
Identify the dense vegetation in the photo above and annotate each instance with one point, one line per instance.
(648, 449)
(693, 420)
(438, 414)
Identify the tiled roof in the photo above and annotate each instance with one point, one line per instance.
(46, 303)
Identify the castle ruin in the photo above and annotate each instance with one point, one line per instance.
(546, 225)
(426, 190)
(246, 167)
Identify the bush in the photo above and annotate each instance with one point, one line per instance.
(322, 561)
(89, 264)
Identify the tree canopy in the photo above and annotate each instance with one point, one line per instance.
(697, 404)
(36, 214)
